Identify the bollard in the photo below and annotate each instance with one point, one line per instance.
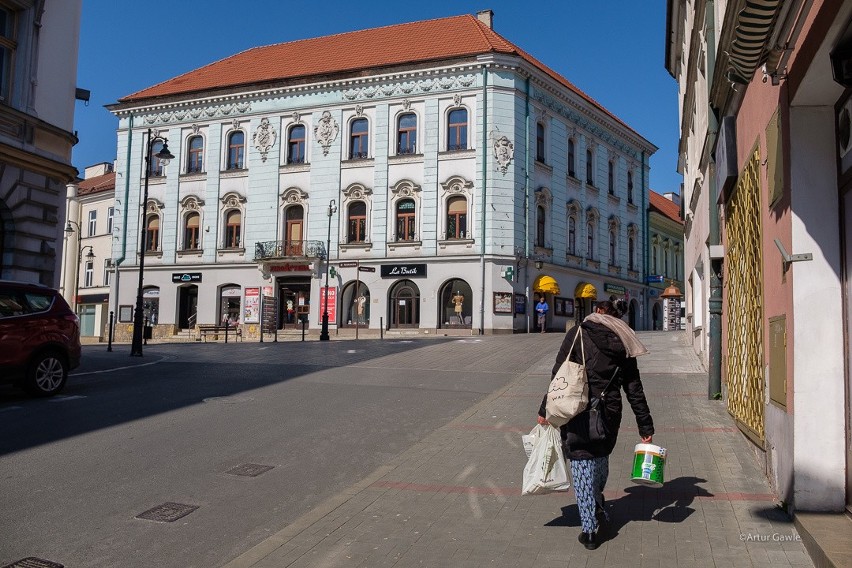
(226, 331)
(145, 333)
(381, 329)
(109, 330)
(303, 329)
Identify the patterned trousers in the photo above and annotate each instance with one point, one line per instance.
(589, 478)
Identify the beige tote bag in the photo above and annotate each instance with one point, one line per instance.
(568, 394)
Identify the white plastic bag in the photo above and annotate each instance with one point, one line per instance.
(546, 470)
(529, 439)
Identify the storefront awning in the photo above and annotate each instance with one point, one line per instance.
(585, 290)
(747, 52)
(546, 284)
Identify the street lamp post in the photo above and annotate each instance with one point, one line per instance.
(163, 155)
(69, 230)
(332, 209)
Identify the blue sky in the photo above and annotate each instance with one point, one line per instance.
(613, 51)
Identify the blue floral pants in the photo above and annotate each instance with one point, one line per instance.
(589, 478)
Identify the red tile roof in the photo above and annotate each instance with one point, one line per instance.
(400, 44)
(97, 184)
(665, 207)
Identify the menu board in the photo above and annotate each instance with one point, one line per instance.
(269, 314)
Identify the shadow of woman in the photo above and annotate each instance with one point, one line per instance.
(667, 504)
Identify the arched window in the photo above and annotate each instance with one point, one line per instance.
(572, 235)
(629, 187)
(236, 150)
(457, 130)
(293, 230)
(572, 169)
(152, 233)
(612, 251)
(456, 217)
(631, 253)
(590, 240)
(233, 228)
(406, 134)
(357, 223)
(296, 145)
(610, 178)
(190, 232)
(406, 220)
(157, 166)
(539, 142)
(589, 168)
(195, 155)
(359, 139)
(540, 224)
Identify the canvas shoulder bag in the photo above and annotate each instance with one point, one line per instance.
(568, 394)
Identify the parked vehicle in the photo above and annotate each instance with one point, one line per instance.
(39, 338)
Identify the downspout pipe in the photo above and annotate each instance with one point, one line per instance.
(484, 196)
(527, 201)
(124, 206)
(646, 231)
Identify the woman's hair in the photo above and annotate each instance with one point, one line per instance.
(616, 309)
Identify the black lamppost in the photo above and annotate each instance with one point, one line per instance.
(332, 209)
(138, 314)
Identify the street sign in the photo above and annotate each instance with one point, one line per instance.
(367, 268)
(655, 278)
(347, 264)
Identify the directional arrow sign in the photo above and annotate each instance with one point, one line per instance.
(367, 268)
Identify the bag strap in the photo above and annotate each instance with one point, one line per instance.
(606, 388)
(582, 348)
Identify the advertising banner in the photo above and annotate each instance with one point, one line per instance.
(332, 304)
(251, 311)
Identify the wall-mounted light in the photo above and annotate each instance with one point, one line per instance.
(539, 264)
(787, 259)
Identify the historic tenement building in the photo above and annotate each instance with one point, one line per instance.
(38, 73)
(450, 183)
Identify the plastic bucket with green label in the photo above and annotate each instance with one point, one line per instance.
(649, 463)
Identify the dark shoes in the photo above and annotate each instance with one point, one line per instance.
(589, 540)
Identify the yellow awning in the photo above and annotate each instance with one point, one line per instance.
(546, 284)
(585, 290)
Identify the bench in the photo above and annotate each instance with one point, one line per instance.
(205, 330)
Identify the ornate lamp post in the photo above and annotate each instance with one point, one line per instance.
(332, 209)
(69, 230)
(138, 314)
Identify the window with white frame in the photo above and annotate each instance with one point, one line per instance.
(357, 204)
(405, 202)
(457, 129)
(456, 200)
(232, 221)
(107, 271)
(8, 46)
(192, 231)
(89, 278)
(539, 142)
(629, 187)
(590, 240)
(93, 223)
(590, 170)
(152, 232)
(572, 158)
(296, 144)
(610, 177)
(157, 166)
(236, 148)
(572, 235)
(406, 133)
(359, 139)
(195, 155)
(110, 218)
(631, 252)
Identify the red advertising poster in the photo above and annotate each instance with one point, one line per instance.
(332, 304)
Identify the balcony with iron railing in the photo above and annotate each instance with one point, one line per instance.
(289, 250)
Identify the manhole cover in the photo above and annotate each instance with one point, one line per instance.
(33, 562)
(250, 469)
(167, 512)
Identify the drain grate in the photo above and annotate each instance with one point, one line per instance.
(250, 469)
(33, 562)
(167, 512)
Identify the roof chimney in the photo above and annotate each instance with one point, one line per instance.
(486, 17)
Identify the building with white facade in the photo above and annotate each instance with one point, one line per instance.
(38, 73)
(665, 265)
(451, 183)
(87, 262)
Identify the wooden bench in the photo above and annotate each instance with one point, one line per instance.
(204, 330)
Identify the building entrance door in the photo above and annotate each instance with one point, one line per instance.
(188, 306)
(294, 302)
(405, 303)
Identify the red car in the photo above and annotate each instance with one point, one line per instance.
(39, 338)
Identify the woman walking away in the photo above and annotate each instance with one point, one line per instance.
(611, 348)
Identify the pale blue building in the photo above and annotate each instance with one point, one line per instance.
(453, 182)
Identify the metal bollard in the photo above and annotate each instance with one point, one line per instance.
(303, 329)
(381, 329)
(226, 331)
(109, 330)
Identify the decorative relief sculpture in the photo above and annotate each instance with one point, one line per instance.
(326, 131)
(359, 110)
(406, 104)
(294, 195)
(297, 116)
(195, 113)
(264, 138)
(457, 99)
(504, 151)
(409, 87)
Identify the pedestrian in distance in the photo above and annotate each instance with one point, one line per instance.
(541, 309)
(611, 348)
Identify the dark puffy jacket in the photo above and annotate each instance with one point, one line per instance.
(604, 352)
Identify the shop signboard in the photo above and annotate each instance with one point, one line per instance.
(403, 271)
(332, 304)
(251, 310)
(180, 277)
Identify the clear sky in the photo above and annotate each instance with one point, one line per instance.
(613, 51)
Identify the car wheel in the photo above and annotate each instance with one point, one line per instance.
(46, 374)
